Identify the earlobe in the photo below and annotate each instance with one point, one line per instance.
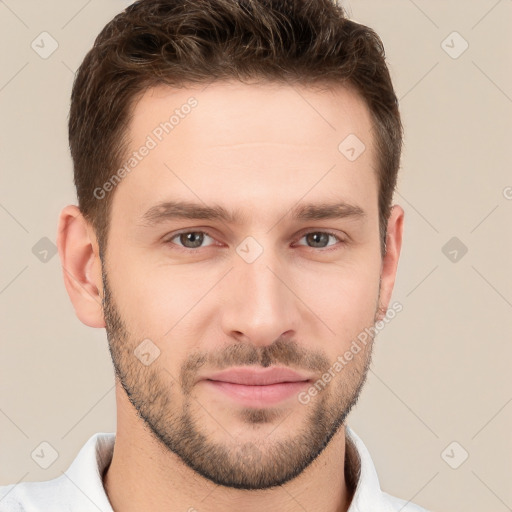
(81, 266)
(390, 259)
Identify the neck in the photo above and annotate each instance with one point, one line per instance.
(144, 475)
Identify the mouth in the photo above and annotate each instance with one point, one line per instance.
(257, 387)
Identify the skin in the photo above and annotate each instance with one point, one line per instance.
(259, 149)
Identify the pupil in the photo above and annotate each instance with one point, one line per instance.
(319, 238)
(194, 238)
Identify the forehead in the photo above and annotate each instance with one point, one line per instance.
(246, 145)
(253, 112)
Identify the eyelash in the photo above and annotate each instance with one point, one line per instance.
(168, 241)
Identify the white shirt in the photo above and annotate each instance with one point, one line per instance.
(80, 487)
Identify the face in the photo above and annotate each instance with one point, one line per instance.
(220, 325)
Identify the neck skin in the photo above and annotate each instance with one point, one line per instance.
(144, 476)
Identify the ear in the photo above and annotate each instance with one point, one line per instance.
(81, 265)
(390, 259)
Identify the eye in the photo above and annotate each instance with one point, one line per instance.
(320, 239)
(189, 239)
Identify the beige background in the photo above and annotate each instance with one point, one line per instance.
(441, 369)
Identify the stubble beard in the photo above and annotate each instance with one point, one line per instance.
(175, 417)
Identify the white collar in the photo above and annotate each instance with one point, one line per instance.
(80, 487)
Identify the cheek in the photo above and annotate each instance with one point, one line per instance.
(148, 300)
(343, 296)
(172, 305)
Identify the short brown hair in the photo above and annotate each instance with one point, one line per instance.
(180, 42)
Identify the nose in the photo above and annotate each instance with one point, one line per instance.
(258, 304)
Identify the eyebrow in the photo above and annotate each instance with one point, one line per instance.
(171, 210)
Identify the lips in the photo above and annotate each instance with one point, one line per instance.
(258, 377)
(256, 387)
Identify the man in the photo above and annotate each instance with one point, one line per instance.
(235, 162)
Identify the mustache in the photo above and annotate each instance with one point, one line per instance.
(280, 353)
